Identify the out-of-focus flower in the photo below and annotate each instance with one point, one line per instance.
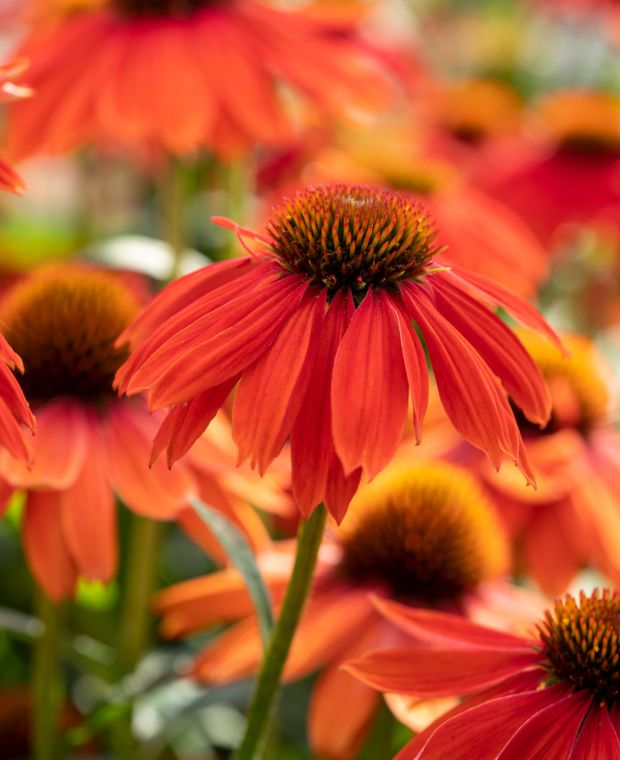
(573, 518)
(555, 695)
(318, 327)
(9, 178)
(89, 445)
(185, 74)
(422, 533)
(573, 174)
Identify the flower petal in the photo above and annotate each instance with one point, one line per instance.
(45, 546)
(498, 346)
(271, 391)
(597, 736)
(369, 388)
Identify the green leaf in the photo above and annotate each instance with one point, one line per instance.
(237, 548)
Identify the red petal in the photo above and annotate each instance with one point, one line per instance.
(498, 346)
(425, 672)
(312, 449)
(550, 733)
(441, 628)
(484, 729)
(89, 515)
(369, 388)
(186, 423)
(415, 366)
(271, 391)
(597, 737)
(46, 549)
(214, 349)
(521, 310)
(470, 393)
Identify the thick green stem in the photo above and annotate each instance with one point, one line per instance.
(47, 687)
(267, 686)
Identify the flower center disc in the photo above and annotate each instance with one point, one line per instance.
(355, 237)
(427, 531)
(581, 643)
(175, 8)
(64, 323)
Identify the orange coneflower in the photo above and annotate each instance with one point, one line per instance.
(573, 518)
(184, 74)
(422, 533)
(318, 327)
(555, 695)
(89, 445)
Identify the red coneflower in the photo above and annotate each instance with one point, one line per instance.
(555, 696)
(318, 330)
(422, 533)
(184, 74)
(9, 72)
(89, 445)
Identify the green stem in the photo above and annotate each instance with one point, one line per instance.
(267, 686)
(47, 688)
(172, 212)
(142, 555)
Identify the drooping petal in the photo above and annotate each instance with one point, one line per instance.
(498, 346)
(470, 393)
(271, 391)
(369, 388)
(221, 349)
(59, 448)
(45, 545)
(516, 306)
(185, 423)
(314, 460)
(154, 491)
(415, 366)
(439, 672)
(89, 515)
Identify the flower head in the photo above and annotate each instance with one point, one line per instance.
(555, 695)
(319, 329)
(90, 446)
(424, 534)
(180, 75)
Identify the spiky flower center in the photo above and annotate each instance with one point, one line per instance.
(579, 391)
(174, 8)
(354, 237)
(581, 643)
(64, 324)
(426, 531)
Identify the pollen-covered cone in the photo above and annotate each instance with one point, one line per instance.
(317, 327)
(424, 534)
(89, 445)
(185, 74)
(554, 695)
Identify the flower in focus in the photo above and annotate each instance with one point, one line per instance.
(318, 330)
(184, 74)
(573, 518)
(552, 696)
(9, 179)
(421, 533)
(89, 445)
